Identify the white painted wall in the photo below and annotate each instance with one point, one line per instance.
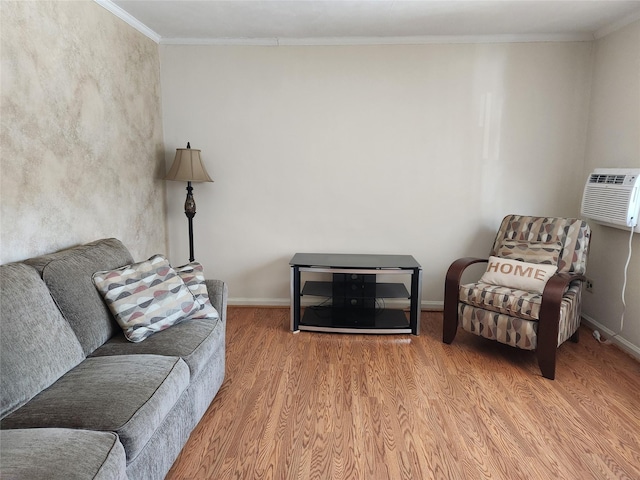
(614, 141)
(389, 149)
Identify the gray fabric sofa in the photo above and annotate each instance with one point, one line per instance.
(78, 400)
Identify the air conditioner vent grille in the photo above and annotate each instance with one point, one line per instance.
(603, 203)
(610, 179)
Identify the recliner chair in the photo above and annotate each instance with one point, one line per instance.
(516, 317)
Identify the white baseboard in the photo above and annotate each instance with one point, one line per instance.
(625, 345)
(259, 302)
(432, 305)
(429, 305)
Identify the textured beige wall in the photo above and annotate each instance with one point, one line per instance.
(81, 138)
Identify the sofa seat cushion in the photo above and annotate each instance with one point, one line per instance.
(516, 331)
(61, 454)
(129, 395)
(195, 341)
(512, 302)
(501, 299)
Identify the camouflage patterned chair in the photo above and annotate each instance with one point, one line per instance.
(515, 316)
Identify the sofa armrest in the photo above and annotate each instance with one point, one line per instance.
(218, 293)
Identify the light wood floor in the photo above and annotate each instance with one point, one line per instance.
(333, 406)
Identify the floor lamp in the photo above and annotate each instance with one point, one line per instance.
(188, 167)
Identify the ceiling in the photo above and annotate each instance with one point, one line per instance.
(371, 21)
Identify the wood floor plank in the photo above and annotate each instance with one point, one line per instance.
(337, 406)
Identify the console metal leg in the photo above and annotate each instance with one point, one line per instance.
(295, 299)
(416, 300)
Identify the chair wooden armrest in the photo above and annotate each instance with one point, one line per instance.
(548, 322)
(451, 293)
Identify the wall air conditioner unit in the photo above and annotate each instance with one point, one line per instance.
(612, 197)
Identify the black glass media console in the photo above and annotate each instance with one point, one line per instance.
(351, 299)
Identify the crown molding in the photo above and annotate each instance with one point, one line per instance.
(261, 42)
(348, 41)
(604, 31)
(135, 23)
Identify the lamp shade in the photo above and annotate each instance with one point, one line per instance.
(188, 167)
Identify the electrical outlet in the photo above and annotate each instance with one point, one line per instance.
(589, 285)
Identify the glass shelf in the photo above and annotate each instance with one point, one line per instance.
(382, 290)
(355, 320)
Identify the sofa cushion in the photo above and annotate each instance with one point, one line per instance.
(192, 274)
(128, 394)
(61, 454)
(572, 233)
(37, 345)
(68, 275)
(195, 341)
(146, 297)
(534, 252)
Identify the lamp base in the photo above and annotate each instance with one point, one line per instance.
(190, 212)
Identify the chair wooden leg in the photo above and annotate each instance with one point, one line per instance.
(450, 321)
(548, 324)
(547, 348)
(547, 363)
(450, 314)
(575, 338)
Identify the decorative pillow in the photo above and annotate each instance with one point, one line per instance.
(146, 297)
(192, 275)
(547, 253)
(531, 277)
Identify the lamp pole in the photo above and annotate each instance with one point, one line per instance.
(190, 212)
